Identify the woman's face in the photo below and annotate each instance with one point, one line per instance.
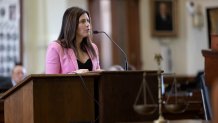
(83, 29)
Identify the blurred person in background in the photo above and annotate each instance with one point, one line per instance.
(17, 74)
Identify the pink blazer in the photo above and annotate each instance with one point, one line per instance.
(60, 60)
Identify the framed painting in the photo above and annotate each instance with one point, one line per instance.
(10, 35)
(164, 18)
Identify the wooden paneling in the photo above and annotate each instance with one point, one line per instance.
(118, 92)
(125, 29)
(64, 100)
(133, 33)
(94, 10)
(126, 32)
(214, 42)
(18, 106)
(2, 120)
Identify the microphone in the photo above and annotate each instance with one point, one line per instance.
(126, 61)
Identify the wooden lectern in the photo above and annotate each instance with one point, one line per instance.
(66, 99)
(51, 99)
(211, 66)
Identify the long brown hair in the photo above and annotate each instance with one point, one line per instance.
(67, 36)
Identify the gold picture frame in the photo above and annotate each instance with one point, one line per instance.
(164, 18)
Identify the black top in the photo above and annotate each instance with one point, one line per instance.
(5, 83)
(86, 65)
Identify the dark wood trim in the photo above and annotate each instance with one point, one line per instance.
(126, 27)
(115, 31)
(210, 53)
(133, 33)
(21, 31)
(94, 10)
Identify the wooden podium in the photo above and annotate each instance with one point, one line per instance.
(211, 66)
(68, 99)
(51, 99)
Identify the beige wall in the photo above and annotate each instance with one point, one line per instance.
(197, 39)
(150, 45)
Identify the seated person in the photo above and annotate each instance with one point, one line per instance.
(18, 73)
(5, 83)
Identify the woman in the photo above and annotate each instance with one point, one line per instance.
(73, 50)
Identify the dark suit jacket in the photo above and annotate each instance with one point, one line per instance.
(5, 83)
(164, 24)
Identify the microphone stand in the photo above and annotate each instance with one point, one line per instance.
(126, 61)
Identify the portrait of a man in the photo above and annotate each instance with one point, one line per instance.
(163, 18)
